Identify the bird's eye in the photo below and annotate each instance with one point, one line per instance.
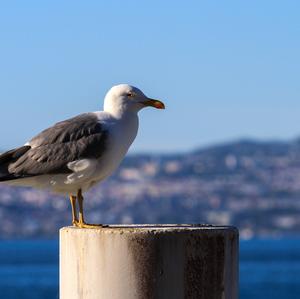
(130, 94)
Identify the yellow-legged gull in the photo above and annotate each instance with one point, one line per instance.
(73, 155)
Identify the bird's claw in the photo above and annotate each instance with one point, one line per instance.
(87, 225)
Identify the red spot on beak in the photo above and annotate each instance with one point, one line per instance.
(155, 103)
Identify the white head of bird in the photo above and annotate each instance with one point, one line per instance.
(122, 99)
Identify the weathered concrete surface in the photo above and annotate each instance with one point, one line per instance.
(149, 262)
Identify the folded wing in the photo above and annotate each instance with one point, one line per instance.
(50, 152)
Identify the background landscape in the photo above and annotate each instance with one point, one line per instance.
(253, 185)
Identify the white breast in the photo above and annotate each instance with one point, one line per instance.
(121, 135)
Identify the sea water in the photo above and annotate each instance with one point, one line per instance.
(268, 269)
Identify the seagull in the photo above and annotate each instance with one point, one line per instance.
(75, 154)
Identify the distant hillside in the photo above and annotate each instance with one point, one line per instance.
(224, 158)
(253, 185)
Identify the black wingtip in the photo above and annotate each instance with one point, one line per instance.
(8, 158)
(6, 178)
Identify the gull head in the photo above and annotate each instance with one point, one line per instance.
(124, 98)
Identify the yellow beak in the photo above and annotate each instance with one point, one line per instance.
(154, 103)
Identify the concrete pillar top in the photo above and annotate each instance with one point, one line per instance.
(155, 228)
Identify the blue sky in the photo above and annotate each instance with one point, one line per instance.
(225, 69)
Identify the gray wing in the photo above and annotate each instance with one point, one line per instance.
(50, 151)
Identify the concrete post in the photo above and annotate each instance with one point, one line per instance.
(149, 262)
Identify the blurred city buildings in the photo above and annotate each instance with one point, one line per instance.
(252, 185)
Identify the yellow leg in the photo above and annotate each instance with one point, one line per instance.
(81, 223)
(73, 205)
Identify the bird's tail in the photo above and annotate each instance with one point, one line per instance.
(10, 157)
